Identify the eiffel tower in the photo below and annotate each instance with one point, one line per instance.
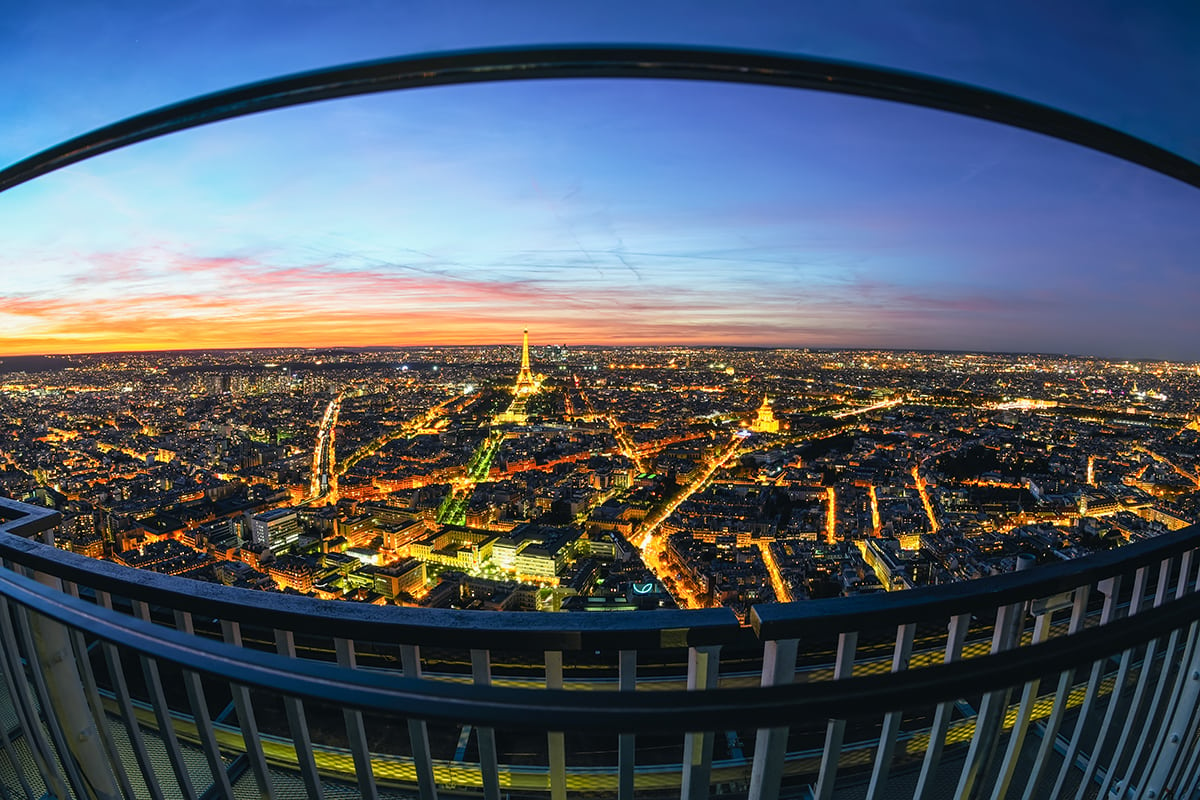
(526, 384)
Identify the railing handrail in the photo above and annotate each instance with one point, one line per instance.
(582, 630)
(605, 61)
(791, 620)
(616, 712)
(425, 626)
(25, 520)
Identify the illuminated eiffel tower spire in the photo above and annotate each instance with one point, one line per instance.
(525, 381)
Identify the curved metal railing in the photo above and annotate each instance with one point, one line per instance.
(959, 705)
(605, 61)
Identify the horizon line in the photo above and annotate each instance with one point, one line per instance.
(694, 346)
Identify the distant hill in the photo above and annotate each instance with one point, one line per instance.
(33, 363)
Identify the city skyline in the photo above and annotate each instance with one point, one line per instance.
(608, 212)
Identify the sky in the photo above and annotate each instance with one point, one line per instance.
(599, 211)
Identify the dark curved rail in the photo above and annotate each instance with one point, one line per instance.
(606, 61)
(583, 630)
(542, 709)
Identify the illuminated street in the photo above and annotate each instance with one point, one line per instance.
(925, 501)
(783, 592)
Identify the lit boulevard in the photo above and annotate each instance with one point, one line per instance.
(1180, 470)
(783, 592)
(652, 546)
(830, 514)
(875, 523)
(324, 478)
(925, 501)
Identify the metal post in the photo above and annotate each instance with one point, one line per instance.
(231, 632)
(990, 719)
(1184, 700)
(1140, 579)
(1061, 695)
(120, 688)
(1041, 631)
(489, 766)
(1187, 715)
(285, 645)
(1156, 713)
(835, 730)
(626, 750)
(418, 731)
(555, 741)
(941, 716)
(891, 722)
(57, 736)
(356, 733)
(66, 701)
(115, 762)
(703, 668)
(22, 698)
(204, 726)
(770, 746)
(1110, 588)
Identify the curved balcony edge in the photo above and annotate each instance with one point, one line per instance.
(573, 630)
(670, 711)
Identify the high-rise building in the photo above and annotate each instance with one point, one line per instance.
(277, 529)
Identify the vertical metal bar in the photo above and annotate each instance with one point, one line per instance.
(1189, 782)
(1061, 695)
(835, 729)
(356, 732)
(231, 633)
(1185, 695)
(891, 722)
(1185, 729)
(116, 673)
(285, 645)
(770, 744)
(162, 712)
(627, 682)
(990, 719)
(22, 697)
(703, 669)
(1191, 775)
(418, 731)
(1041, 631)
(67, 698)
(957, 635)
(489, 761)
(1155, 713)
(555, 741)
(116, 763)
(204, 726)
(65, 755)
(1110, 588)
(1140, 579)
(17, 710)
(16, 767)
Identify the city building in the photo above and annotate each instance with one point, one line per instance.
(276, 530)
(764, 419)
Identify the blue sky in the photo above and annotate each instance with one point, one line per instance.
(598, 211)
